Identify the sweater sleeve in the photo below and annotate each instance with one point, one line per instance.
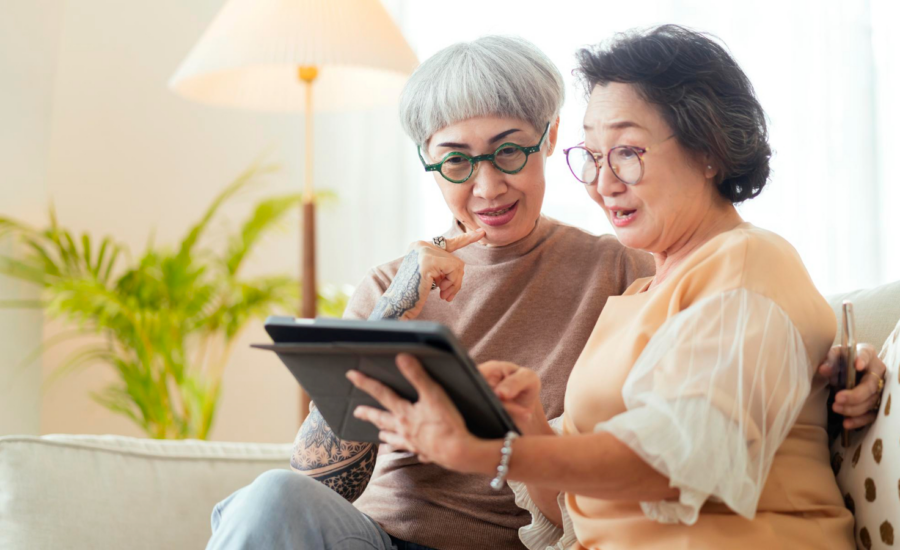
(366, 295)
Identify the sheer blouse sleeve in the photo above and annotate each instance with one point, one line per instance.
(710, 400)
(541, 533)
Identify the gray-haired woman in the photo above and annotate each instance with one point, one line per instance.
(484, 117)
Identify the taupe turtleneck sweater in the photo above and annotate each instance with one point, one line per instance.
(535, 303)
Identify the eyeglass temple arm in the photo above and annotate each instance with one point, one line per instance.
(536, 148)
(428, 167)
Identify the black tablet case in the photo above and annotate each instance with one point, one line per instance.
(319, 353)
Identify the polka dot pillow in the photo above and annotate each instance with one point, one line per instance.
(868, 471)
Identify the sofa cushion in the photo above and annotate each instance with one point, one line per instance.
(876, 310)
(89, 492)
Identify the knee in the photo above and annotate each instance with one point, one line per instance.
(282, 491)
(285, 506)
(269, 509)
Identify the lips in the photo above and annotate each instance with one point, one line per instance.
(500, 215)
(621, 217)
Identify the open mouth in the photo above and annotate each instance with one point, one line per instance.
(622, 217)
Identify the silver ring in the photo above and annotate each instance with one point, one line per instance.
(441, 243)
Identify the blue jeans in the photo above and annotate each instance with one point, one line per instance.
(284, 509)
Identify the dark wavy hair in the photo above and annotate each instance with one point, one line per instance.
(702, 94)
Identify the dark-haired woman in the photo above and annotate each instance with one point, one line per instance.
(692, 418)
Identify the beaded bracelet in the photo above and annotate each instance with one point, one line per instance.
(505, 455)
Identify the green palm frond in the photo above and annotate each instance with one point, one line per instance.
(9, 225)
(332, 300)
(42, 256)
(267, 214)
(54, 253)
(22, 270)
(166, 320)
(248, 177)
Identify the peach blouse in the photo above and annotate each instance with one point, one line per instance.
(709, 378)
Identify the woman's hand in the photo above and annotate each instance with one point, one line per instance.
(519, 389)
(431, 427)
(858, 404)
(425, 264)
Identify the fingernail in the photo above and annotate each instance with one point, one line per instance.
(356, 412)
(838, 408)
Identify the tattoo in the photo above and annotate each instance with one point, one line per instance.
(344, 466)
(403, 294)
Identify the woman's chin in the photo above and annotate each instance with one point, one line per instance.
(631, 238)
(503, 236)
(500, 236)
(507, 234)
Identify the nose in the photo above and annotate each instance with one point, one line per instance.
(608, 185)
(490, 183)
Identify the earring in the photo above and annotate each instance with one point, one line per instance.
(709, 166)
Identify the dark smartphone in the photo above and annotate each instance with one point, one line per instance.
(848, 352)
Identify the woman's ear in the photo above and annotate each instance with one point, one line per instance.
(553, 135)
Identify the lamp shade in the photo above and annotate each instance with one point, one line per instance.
(250, 54)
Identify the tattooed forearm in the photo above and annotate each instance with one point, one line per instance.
(344, 466)
(403, 294)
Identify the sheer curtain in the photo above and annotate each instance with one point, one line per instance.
(825, 71)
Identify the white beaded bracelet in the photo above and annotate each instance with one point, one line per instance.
(505, 455)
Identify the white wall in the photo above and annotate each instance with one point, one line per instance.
(88, 123)
(825, 71)
(886, 43)
(29, 46)
(127, 157)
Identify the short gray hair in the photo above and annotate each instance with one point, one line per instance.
(491, 76)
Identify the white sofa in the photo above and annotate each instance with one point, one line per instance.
(98, 492)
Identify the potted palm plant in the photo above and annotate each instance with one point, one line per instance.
(167, 320)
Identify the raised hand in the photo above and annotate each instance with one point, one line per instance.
(519, 389)
(425, 265)
(432, 427)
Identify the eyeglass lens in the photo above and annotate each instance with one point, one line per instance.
(507, 159)
(624, 160)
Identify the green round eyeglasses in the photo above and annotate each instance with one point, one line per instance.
(509, 158)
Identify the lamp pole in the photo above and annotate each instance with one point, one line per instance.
(267, 55)
(308, 293)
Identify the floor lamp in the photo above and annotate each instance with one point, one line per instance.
(280, 56)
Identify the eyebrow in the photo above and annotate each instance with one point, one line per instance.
(618, 125)
(494, 139)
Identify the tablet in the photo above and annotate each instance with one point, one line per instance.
(319, 352)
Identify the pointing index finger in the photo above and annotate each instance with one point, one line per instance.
(464, 240)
